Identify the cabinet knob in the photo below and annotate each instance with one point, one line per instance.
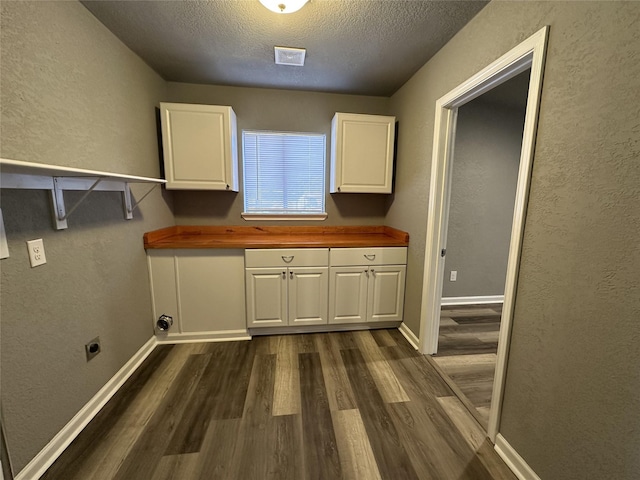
(373, 271)
(228, 187)
(284, 275)
(291, 275)
(338, 188)
(366, 272)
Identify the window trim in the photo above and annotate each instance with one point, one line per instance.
(271, 216)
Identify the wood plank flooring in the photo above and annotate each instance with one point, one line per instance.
(467, 348)
(352, 405)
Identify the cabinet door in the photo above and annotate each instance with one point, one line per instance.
(210, 285)
(348, 294)
(202, 289)
(386, 293)
(308, 295)
(362, 153)
(266, 297)
(199, 147)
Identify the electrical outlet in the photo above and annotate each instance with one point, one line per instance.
(453, 276)
(36, 252)
(93, 348)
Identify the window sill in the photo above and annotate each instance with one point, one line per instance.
(275, 216)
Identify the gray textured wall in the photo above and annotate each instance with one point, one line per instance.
(285, 110)
(573, 384)
(483, 192)
(73, 95)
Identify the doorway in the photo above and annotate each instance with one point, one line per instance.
(484, 175)
(529, 55)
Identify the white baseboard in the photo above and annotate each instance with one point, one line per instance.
(409, 335)
(214, 336)
(479, 300)
(49, 454)
(513, 460)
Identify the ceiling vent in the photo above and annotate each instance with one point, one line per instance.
(290, 56)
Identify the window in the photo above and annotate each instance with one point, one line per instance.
(283, 174)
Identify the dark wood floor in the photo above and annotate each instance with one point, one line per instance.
(467, 347)
(353, 405)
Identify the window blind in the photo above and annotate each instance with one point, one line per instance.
(283, 172)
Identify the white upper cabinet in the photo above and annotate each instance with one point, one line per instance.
(200, 147)
(362, 153)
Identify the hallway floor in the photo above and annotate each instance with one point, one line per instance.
(467, 347)
(353, 405)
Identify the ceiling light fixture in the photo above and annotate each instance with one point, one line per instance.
(284, 6)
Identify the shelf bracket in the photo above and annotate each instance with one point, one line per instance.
(61, 215)
(127, 193)
(126, 202)
(57, 202)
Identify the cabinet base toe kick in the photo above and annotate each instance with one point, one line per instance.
(202, 337)
(240, 335)
(284, 330)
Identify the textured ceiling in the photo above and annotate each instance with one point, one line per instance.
(366, 47)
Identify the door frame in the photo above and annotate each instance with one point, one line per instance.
(528, 54)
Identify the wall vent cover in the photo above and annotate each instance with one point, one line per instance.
(290, 56)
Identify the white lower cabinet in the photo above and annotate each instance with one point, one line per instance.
(308, 295)
(266, 290)
(385, 299)
(203, 290)
(366, 294)
(363, 289)
(218, 293)
(287, 287)
(287, 296)
(348, 287)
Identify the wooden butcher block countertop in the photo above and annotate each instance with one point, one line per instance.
(184, 236)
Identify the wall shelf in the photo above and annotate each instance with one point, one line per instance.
(39, 176)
